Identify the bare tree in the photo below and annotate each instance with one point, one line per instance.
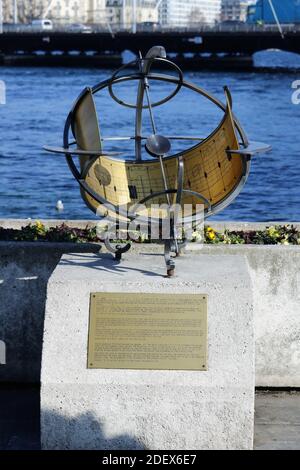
(29, 10)
(7, 6)
(196, 17)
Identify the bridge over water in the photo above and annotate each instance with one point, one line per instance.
(219, 46)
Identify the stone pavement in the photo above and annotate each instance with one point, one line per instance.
(277, 422)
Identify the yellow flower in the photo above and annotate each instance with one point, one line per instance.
(211, 235)
(40, 228)
(39, 224)
(209, 229)
(273, 232)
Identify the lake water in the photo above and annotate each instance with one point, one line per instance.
(38, 101)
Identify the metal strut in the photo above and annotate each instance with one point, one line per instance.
(172, 245)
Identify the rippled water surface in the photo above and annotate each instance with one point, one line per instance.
(38, 100)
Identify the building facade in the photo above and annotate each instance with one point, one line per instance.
(189, 12)
(60, 11)
(66, 12)
(95, 11)
(235, 10)
(78, 11)
(121, 12)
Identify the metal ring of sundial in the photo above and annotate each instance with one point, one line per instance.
(116, 76)
(170, 79)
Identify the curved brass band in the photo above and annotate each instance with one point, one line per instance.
(209, 171)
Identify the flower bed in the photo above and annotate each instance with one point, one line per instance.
(37, 231)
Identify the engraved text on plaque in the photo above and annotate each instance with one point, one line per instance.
(148, 331)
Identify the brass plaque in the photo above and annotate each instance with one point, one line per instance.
(148, 331)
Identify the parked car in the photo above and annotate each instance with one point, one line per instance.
(233, 23)
(42, 25)
(80, 28)
(148, 26)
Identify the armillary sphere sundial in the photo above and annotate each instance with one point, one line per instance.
(211, 173)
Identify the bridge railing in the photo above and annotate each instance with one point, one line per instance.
(153, 28)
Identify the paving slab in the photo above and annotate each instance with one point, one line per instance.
(277, 421)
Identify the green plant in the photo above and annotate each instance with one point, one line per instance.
(37, 231)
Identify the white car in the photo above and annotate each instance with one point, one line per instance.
(42, 25)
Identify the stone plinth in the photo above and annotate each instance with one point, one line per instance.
(148, 409)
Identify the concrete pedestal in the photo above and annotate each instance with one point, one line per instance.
(141, 409)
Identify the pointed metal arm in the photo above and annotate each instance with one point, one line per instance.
(254, 148)
(153, 53)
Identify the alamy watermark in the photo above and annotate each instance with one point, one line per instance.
(2, 353)
(296, 93)
(155, 222)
